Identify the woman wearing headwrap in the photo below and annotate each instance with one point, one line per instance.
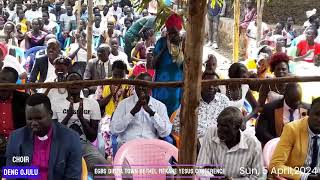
(168, 63)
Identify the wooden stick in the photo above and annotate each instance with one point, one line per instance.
(192, 82)
(173, 84)
(236, 30)
(78, 13)
(260, 6)
(89, 29)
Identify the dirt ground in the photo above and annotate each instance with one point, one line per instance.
(279, 10)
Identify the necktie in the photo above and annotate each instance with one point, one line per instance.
(291, 118)
(315, 151)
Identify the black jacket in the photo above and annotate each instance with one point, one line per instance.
(270, 122)
(40, 66)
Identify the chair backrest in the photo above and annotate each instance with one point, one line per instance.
(84, 175)
(268, 150)
(149, 153)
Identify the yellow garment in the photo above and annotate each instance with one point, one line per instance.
(111, 106)
(24, 27)
(291, 150)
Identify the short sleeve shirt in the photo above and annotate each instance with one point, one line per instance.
(91, 111)
(304, 47)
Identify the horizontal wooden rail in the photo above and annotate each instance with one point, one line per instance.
(174, 84)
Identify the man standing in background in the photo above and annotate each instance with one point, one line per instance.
(215, 10)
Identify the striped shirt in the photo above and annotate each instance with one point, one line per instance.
(308, 160)
(243, 161)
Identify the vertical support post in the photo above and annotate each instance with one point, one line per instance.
(260, 6)
(236, 30)
(192, 81)
(89, 29)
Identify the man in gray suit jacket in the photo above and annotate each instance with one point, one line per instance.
(99, 68)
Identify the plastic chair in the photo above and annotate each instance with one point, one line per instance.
(175, 135)
(150, 152)
(268, 151)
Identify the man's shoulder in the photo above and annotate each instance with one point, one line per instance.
(67, 132)
(273, 105)
(157, 102)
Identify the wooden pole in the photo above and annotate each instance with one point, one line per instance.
(260, 6)
(89, 29)
(192, 81)
(78, 13)
(236, 30)
(173, 84)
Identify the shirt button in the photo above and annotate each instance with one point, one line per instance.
(4, 113)
(3, 122)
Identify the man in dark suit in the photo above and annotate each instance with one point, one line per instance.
(12, 106)
(41, 64)
(51, 146)
(277, 113)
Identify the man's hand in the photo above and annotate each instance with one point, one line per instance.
(80, 110)
(136, 108)
(148, 110)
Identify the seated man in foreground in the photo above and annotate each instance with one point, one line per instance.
(52, 147)
(227, 145)
(297, 154)
(140, 116)
(277, 113)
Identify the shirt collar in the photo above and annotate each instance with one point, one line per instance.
(47, 136)
(241, 145)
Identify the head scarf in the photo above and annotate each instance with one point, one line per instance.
(174, 21)
(3, 49)
(311, 13)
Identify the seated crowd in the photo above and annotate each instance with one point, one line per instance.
(59, 128)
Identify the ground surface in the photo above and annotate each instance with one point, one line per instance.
(277, 10)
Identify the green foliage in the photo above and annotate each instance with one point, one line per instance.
(162, 14)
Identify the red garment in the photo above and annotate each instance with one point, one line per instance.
(174, 21)
(140, 68)
(6, 117)
(4, 49)
(304, 47)
(41, 155)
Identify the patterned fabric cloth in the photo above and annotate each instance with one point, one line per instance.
(167, 70)
(207, 115)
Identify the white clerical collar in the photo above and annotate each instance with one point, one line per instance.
(43, 138)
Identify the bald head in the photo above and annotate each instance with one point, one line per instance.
(293, 95)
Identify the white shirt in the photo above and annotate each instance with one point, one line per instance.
(121, 56)
(66, 20)
(51, 75)
(11, 61)
(207, 114)
(50, 26)
(141, 125)
(286, 113)
(117, 12)
(81, 55)
(96, 31)
(91, 111)
(240, 103)
(30, 15)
